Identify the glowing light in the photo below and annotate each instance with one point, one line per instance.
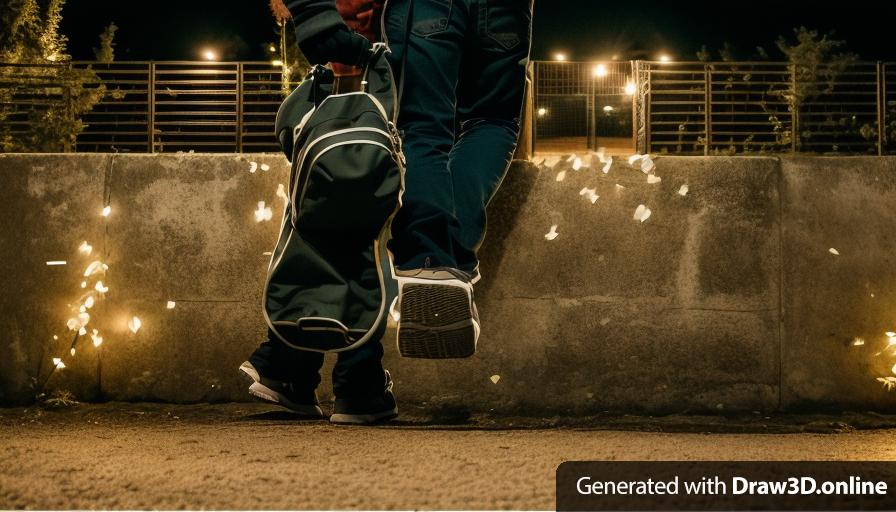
(97, 339)
(209, 55)
(665, 58)
(134, 324)
(85, 248)
(630, 89)
(277, 63)
(542, 112)
(56, 263)
(263, 213)
(600, 70)
(608, 109)
(272, 49)
(106, 211)
(560, 56)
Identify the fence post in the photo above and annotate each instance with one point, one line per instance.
(707, 108)
(151, 109)
(881, 109)
(794, 112)
(239, 106)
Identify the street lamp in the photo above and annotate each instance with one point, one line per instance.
(542, 112)
(600, 70)
(209, 55)
(665, 58)
(559, 56)
(630, 89)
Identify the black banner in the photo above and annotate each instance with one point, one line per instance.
(726, 486)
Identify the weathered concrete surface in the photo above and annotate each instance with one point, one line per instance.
(681, 312)
(848, 204)
(246, 456)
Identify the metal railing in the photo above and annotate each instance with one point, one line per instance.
(665, 107)
(164, 106)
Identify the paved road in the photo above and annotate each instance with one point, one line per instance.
(247, 456)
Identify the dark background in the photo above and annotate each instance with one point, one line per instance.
(583, 29)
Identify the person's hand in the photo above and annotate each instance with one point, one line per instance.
(340, 45)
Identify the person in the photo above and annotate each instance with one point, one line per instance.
(462, 65)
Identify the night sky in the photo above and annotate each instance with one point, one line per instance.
(583, 29)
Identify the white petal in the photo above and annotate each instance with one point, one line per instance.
(100, 287)
(495, 378)
(647, 164)
(571, 157)
(253, 166)
(561, 176)
(171, 304)
(590, 194)
(653, 178)
(635, 158)
(602, 155)
(642, 213)
(263, 213)
(607, 164)
(85, 248)
(577, 164)
(538, 161)
(106, 211)
(94, 268)
(833, 251)
(551, 161)
(683, 191)
(552, 234)
(134, 324)
(265, 167)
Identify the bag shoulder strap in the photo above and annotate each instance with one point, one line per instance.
(407, 50)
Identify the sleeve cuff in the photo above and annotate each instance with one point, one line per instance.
(319, 23)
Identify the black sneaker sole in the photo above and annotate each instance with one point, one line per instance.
(265, 394)
(436, 322)
(364, 419)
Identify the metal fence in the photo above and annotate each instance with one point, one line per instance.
(745, 107)
(163, 106)
(664, 107)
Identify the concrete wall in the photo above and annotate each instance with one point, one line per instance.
(726, 298)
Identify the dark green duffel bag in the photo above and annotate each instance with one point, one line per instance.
(330, 280)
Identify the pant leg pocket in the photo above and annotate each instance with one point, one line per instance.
(431, 16)
(507, 22)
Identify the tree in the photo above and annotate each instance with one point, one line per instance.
(106, 52)
(58, 94)
(295, 65)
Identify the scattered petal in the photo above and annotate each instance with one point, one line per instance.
(95, 268)
(134, 324)
(106, 211)
(888, 382)
(607, 164)
(83, 284)
(577, 164)
(642, 213)
(495, 378)
(653, 178)
(82, 331)
(56, 263)
(552, 234)
(281, 193)
(88, 302)
(858, 342)
(253, 166)
(893, 369)
(263, 213)
(100, 288)
(605, 321)
(265, 167)
(57, 362)
(83, 319)
(634, 158)
(619, 187)
(683, 191)
(647, 164)
(551, 161)
(171, 304)
(561, 175)
(571, 158)
(590, 194)
(833, 251)
(73, 324)
(72, 351)
(85, 248)
(538, 161)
